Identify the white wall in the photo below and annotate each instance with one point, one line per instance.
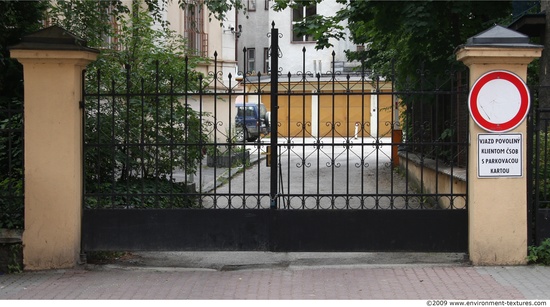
(258, 25)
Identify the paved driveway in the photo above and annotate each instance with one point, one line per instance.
(326, 175)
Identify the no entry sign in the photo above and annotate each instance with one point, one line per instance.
(499, 101)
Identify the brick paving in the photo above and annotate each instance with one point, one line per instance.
(396, 282)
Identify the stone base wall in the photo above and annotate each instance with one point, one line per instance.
(436, 177)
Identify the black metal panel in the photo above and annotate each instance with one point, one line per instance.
(371, 230)
(172, 230)
(276, 230)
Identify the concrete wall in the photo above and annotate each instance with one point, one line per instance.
(53, 156)
(218, 113)
(437, 178)
(497, 207)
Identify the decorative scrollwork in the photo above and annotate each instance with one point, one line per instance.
(333, 163)
(362, 163)
(303, 164)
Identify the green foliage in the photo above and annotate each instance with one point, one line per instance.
(427, 32)
(217, 9)
(17, 18)
(91, 20)
(402, 34)
(541, 168)
(15, 264)
(149, 61)
(445, 152)
(12, 202)
(11, 163)
(134, 193)
(141, 115)
(540, 254)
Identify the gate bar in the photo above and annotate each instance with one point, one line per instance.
(274, 114)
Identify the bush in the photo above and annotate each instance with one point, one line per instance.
(540, 254)
(140, 193)
(11, 163)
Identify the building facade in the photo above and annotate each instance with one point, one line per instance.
(256, 22)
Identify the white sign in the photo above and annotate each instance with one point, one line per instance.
(499, 101)
(500, 155)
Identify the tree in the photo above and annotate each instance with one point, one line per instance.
(543, 73)
(407, 32)
(91, 20)
(18, 18)
(140, 127)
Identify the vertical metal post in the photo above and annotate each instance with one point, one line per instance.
(274, 115)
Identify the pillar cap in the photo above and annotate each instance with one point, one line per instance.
(499, 37)
(53, 38)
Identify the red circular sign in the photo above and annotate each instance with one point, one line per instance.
(499, 101)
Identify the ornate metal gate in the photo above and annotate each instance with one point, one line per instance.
(346, 163)
(539, 174)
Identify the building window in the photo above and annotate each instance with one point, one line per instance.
(251, 60)
(298, 15)
(266, 6)
(109, 41)
(251, 5)
(197, 39)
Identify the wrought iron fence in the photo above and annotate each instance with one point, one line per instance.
(11, 164)
(538, 179)
(335, 145)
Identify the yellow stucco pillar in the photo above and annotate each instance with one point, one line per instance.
(497, 206)
(53, 61)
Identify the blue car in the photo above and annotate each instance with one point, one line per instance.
(252, 120)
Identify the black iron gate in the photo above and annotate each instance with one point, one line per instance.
(539, 175)
(347, 162)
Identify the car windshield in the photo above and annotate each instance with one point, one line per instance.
(245, 111)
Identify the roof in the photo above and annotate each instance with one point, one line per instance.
(53, 38)
(531, 25)
(500, 36)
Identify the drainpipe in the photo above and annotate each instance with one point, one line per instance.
(237, 37)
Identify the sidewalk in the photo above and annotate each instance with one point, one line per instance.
(274, 276)
(281, 276)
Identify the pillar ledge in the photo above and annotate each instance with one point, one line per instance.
(498, 54)
(53, 56)
(498, 45)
